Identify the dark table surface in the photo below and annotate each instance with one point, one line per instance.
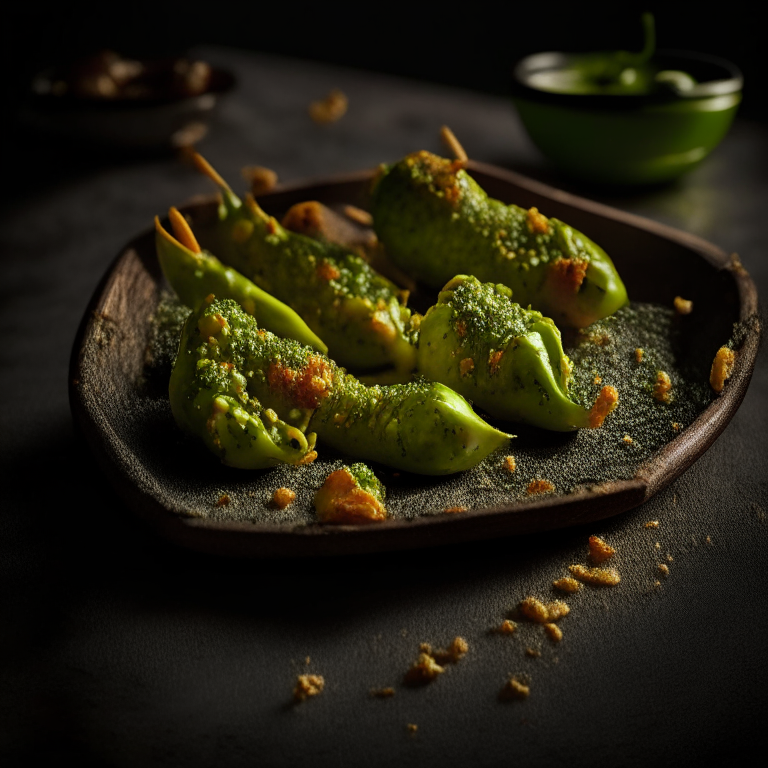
(121, 649)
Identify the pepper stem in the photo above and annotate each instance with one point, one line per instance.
(453, 145)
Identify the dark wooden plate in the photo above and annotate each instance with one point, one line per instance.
(175, 486)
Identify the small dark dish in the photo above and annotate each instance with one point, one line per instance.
(179, 488)
(108, 101)
(633, 137)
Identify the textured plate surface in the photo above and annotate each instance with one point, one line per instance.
(125, 416)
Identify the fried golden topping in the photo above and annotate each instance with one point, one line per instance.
(306, 686)
(662, 389)
(539, 486)
(599, 551)
(540, 613)
(515, 689)
(342, 501)
(663, 569)
(453, 653)
(283, 497)
(652, 524)
(538, 223)
(261, 179)
(567, 584)
(327, 271)
(510, 464)
(606, 402)
(596, 577)
(639, 352)
(554, 632)
(330, 109)
(424, 670)
(307, 387)
(569, 273)
(507, 627)
(683, 306)
(722, 368)
(440, 172)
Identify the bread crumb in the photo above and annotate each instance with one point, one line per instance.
(341, 500)
(539, 486)
(223, 500)
(282, 497)
(306, 686)
(554, 632)
(708, 540)
(330, 109)
(538, 223)
(657, 545)
(652, 524)
(605, 403)
(664, 569)
(535, 610)
(510, 463)
(507, 627)
(639, 352)
(382, 693)
(454, 510)
(600, 551)
(670, 558)
(722, 368)
(424, 670)
(683, 306)
(451, 655)
(307, 459)
(261, 179)
(627, 439)
(515, 689)
(676, 426)
(597, 380)
(567, 584)
(412, 727)
(662, 389)
(534, 653)
(597, 577)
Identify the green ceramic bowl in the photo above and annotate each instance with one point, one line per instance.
(639, 136)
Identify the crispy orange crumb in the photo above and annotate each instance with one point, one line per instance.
(597, 577)
(262, 180)
(683, 306)
(342, 501)
(722, 368)
(606, 402)
(327, 271)
(510, 463)
(455, 510)
(597, 380)
(554, 632)
(382, 693)
(652, 524)
(662, 389)
(627, 439)
(307, 459)
(568, 274)
(308, 685)
(515, 689)
(494, 361)
(330, 109)
(539, 486)
(223, 500)
(358, 215)
(538, 224)
(507, 627)
(670, 558)
(535, 610)
(664, 569)
(466, 366)
(453, 653)
(533, 653)
(676, 426)
(567, 584)
(424, 670)
(600, 551)
(282, 497)
(639, 355)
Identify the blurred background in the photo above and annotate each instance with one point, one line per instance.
(472, 47)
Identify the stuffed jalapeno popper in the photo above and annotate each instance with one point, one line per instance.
(507, 360)
(251, 396)
(357, 312)
(435, 222)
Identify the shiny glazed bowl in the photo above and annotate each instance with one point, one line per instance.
(628, 138)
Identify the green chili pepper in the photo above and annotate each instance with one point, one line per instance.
(421, 427)
(194, 275)
(507, 360)
(436, 222)
(357, 312)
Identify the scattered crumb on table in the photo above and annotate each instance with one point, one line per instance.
(283, 497)
(596, 577)
(308, 685)
(599, 550)
(567, 584)
(554, 632)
